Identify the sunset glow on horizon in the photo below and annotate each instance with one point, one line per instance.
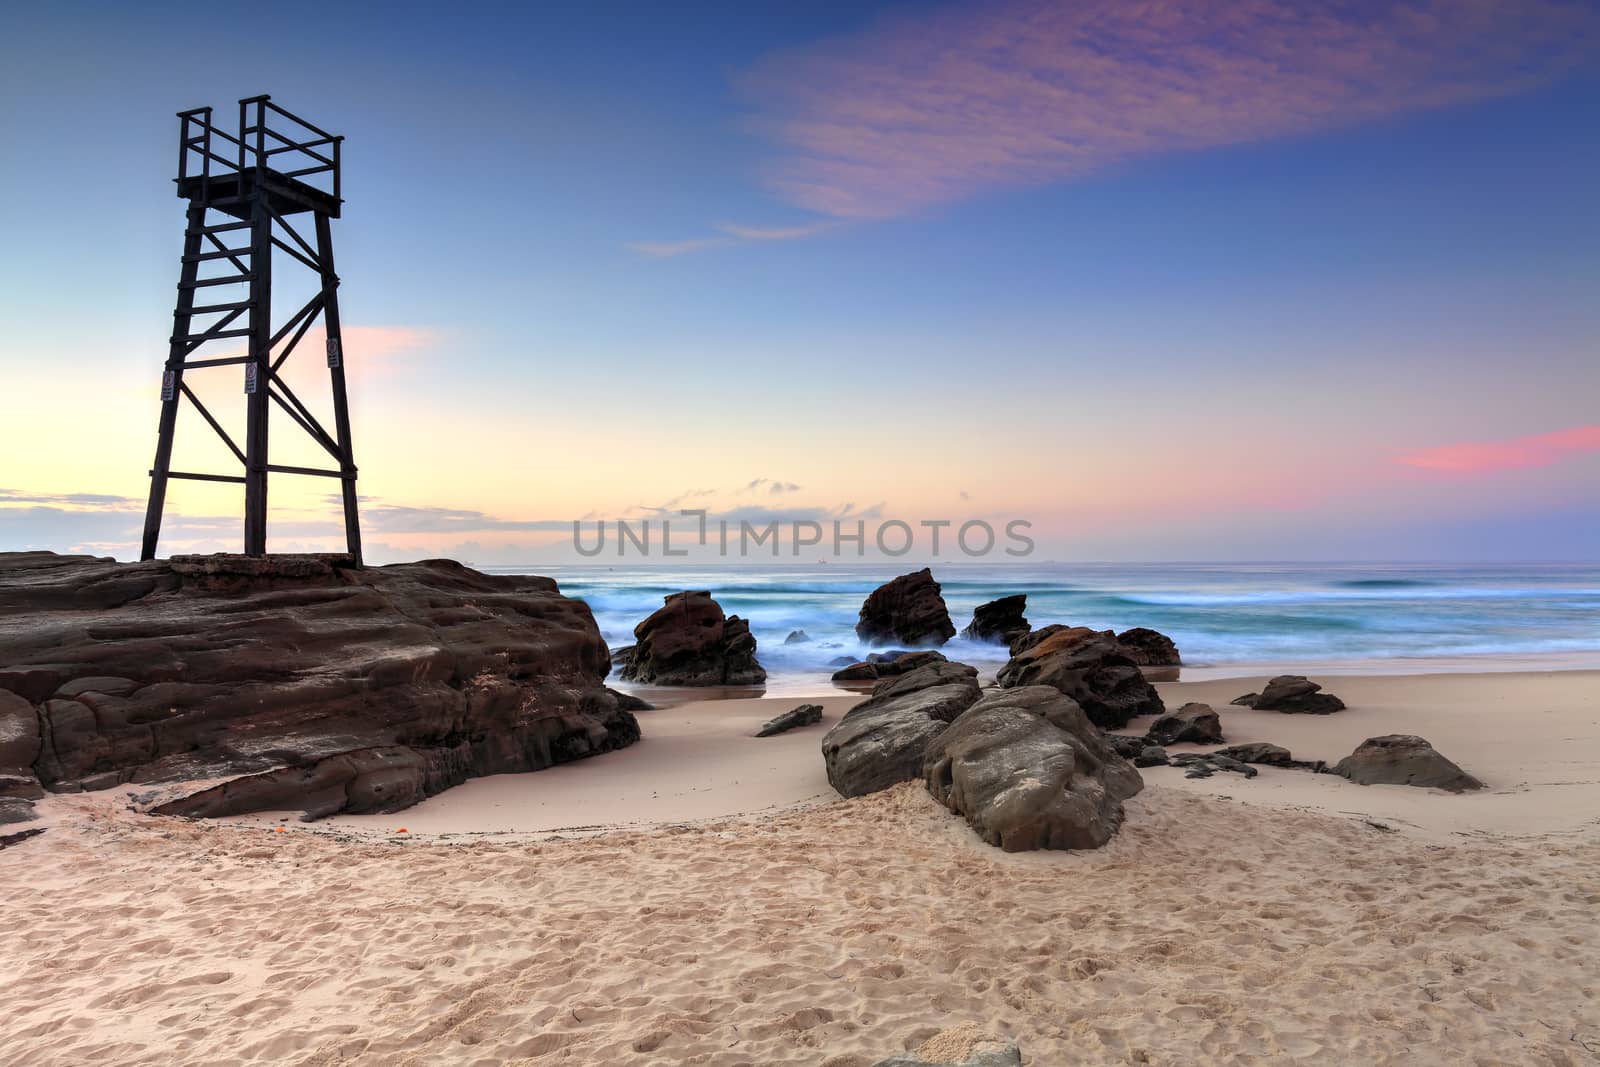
(1197, 281)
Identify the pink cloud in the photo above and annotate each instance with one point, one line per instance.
(1486, 457)
(922, 109)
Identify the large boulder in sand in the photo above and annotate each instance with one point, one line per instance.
(999, 621)
(229, 684)
(1029, 770)
(1197, 724)
(688, 641)
(906, 611)
(1403, 759)
(1292, 694)
(1149, 648)
(882, 741)
(1088, 666)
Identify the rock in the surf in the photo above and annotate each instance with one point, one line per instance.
(797, 637)
(909, 610)
(999, 621)
(1028, 770)
(1087, 665)
(1404, 759)
(688, 641)
(1149, 648)
(879, 665)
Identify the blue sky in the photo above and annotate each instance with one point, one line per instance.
(607, 254)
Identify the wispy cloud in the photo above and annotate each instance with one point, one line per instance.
(668, 249)
(779, 488)
(1488, 457)
(731, 234)
(925, 108)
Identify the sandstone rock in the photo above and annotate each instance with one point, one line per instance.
(880, 665)
(882, 742)
(1204, 765)
(1151, 756)
(1088, 666)
(1149, 648)
(1258, 752)
(292, 682)
(804, 715)
(1403, 759)
(629, 702)
(1292, 694)
(1196, 723)
(688, 641)
(1126, 745)
(908, 610)
(999, 621)
(797, 637)
(1029, 771)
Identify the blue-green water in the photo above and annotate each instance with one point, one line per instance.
(1219, 614)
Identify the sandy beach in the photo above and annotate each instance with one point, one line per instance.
(711, 902)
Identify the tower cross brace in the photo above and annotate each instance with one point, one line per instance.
(243, 191)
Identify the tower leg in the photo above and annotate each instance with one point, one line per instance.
(341, 404)
(172, 379)
(257, 382)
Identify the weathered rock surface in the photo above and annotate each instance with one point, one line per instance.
(1403, 759)
(804, 715)
(1088, 666)
(1196, 723)
(1149, 648)
(1292, 694)
(1262, 752)
(880, 665)
(688, 641)
(909, 610)
(1151, 756)
(1204, 765)
(629, 702)
(1028, 770)
(882, 741)
(999, 621)
(293, 681)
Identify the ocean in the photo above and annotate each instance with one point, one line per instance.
(1227, 617)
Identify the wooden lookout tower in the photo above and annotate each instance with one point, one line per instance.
(271, 188)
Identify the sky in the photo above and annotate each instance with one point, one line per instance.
(1167, 281)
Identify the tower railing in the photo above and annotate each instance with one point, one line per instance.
(269, 137)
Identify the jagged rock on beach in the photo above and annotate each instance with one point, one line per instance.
(688, 641)
(1292, 694)
(1149, 648)
(907, 610)
(1204, 765)
(629, 702)
(1126, 745)
(1151, 756)
(999, 621)
(233, 684)
(804, 715)
(1404, 759)
(1028, 770)
(882, 741)
(797, 637)
(1195, 723)
(1262, 752)
(880, 665)
(1088, 666)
